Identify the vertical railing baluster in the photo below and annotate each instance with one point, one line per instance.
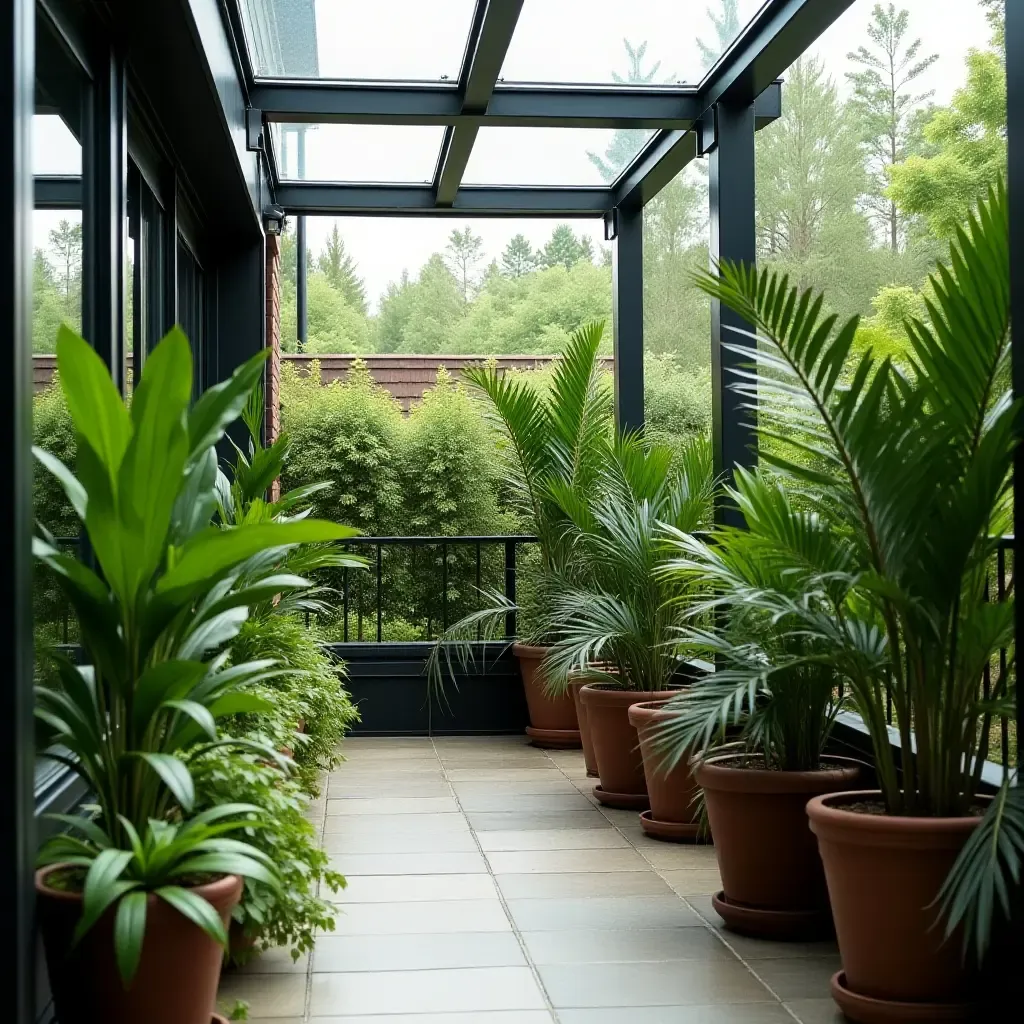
(479, 625)
(344, 589)
(444, 587)
(380, 594)
(510, 587)
(1004, 722)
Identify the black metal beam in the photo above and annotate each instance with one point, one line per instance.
(409, 200)
(17, 830)
(731, 207)
(1015, 185)
(509, 106)
(58, 192)
(668, 153)
(493, 26)
(628, 317)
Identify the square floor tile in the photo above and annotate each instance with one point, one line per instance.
(552, 839)
(529, 802)
(736, 1013)
(406, 844)
(694, 881)
(485, 821)
(544, 861)
(422, 918)
(336, 953)
(274, 961)
(486, 1017)
(483, 988)
(444, 863)
(797, 977)
(557, 884)
(392, 805)
(528, 774)
(583, 946)
(603, 912)
(371, 789)
(673, 983)
(558, 786)
(268, 995)
(816, 1011)
(394, 824)
(680, 857)
(416, 888)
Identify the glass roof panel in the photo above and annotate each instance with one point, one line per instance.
(55, 150)
(398, 154)
(622, 42)
(376, 40)
(552, 156)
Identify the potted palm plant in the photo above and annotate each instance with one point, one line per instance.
(757, 727)
(911, 467)
(135, 896)
(615, 627)
(553, 444)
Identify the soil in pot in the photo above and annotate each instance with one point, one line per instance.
(616, 744)
(674, 815)
(773, 885)
(581, 717)
(883, 874)
(553, 722)
(178, 973)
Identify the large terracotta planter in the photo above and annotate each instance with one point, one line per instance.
(553, 722)
(773, 885)
(674, 816)
(616, 744)
(581, 717)
(178, 972)
(884, 873)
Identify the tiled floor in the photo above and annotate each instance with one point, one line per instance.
(487, 887)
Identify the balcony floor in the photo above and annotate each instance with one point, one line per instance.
(487, 887)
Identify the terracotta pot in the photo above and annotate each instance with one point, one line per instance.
(581, 717)
(178, 972)
(884, 873)
(552, 720)
(673, 815)
(616, 744)
(772, 881)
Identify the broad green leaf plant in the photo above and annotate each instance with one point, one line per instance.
(899, 489)
(158, 604)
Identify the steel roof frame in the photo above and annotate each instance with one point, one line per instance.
(747, 72)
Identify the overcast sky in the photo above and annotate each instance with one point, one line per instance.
(556, 40)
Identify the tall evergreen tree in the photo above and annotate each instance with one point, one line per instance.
(463, 255)
(66, 251)
(727, 28)
(563, 248)
(340, 270)
(890, 112)
(518, 258)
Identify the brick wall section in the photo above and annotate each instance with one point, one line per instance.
(406, 377)
(272, 389)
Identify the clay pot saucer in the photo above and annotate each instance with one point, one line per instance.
(669, 831)
(866, 1010)
(622, 801)
(762, 923)
(218, 1019)
(554, 739)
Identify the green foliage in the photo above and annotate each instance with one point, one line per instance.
(969, 143)
(565, 249)
(57, 285)
(339, 269)
(463, 256)
(333, 324)
(518, 258)
(153, 618)
(909, 484)
(677, 401)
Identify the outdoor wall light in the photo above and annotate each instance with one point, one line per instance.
(274, 220)
(611, 225)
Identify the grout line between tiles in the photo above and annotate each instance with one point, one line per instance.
(501, 896)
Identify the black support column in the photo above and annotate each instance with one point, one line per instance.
(730, 141)
(17, 834)
(105, 159)
(301, 291)
(628, 316)
(1015, 181)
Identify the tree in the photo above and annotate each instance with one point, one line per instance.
(969, 138)
(436, 305)
(889, 111)
(340, 270)
(727, 28)
(395, 308)
(464, 253)
(66, 250)
(564, 248)
(518, 258)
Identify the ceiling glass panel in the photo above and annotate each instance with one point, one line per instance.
(400, 154)
(622, 42)
(378, 40)
(54, 149)
(552, 156)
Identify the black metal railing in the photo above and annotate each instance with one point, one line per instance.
(429, 567)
